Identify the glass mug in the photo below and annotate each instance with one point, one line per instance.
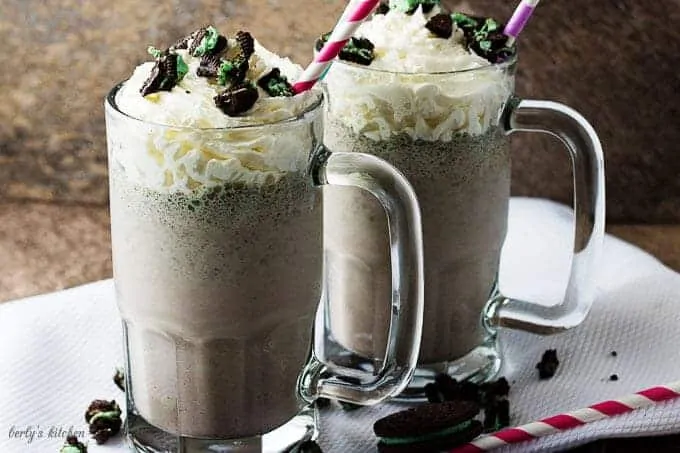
(447, 132)
(217, 285)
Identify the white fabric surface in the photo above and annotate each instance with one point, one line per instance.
(58, 351)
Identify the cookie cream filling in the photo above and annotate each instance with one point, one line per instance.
(184, 142)
(419, 84)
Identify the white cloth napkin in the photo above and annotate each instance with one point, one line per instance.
(59, 351)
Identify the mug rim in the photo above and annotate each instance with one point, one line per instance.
(308, 114)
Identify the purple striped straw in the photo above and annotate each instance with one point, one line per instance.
(519, 19)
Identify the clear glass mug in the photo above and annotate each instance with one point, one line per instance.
(447, 132)
(218, 283)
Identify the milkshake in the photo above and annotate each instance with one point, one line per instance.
(423, 96)
(215, 166)
(216, 243)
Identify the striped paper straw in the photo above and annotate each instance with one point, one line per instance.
(569, 420)
(519, 19)
(354, 15)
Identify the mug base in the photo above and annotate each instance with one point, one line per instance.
(479, 365)
(143, 437)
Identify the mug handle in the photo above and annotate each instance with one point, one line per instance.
(583, 145)
(399, 201)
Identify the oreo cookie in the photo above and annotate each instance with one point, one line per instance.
(429, 427)
(164, 75)
(491, 396)
(246, 43)
(209, 66)
(440, 25)
(237, 99)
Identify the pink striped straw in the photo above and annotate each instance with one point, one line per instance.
(519, 19)
(350, 20)
(569, 420)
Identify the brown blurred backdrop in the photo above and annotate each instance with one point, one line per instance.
(616, 61)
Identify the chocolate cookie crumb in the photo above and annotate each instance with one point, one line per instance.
(440, 25)
(383, 8)
(614, 353)
(73, 445)
(357, 50)
(209, 66)
(453, 390)
(276, 84)
(237, 99)
(246, 43)
(614, 377)
(119, 377)
(104, 418)
(547, 367)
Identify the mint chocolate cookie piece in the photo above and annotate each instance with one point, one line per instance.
(237, 99)
(276, 84)
(410, 6)
(166, 73)
(209, 66)
(207, 41)
(429, 427)
(104, 418)
(468, 23)
(492, 46)
(73, 445)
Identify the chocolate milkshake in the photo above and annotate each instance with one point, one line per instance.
(415, 88)
(216, 235)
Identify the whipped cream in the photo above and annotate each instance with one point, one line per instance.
(419, 84)
(187, 143)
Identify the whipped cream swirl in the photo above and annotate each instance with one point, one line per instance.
(186, 143)
(419, 84)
